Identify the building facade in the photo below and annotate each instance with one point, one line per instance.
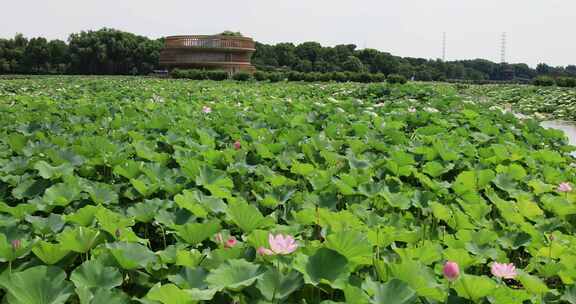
(219, 52)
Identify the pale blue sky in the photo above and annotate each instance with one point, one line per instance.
(538, 30)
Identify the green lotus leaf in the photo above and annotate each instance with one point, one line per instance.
(37, 285)
(194, 233)
(132, 255)
(324, 266)
(189, 200)
(101, 296)
(83, 216)
(418, 277)
(128, 169)
(352, 244)
(102, 194)
(50, 172)
(7, 251)
(79, 239)
(275, 285)
(570, 295)
(355, 295)
(234, 275)
(61, 194)
(93, 274)
(247, 216)
(144, 186)
(474, 287)
(215, 181)
(189, 278)
(391, 292)
(509, 295)
(49, 253)
(472, 181)
(532, 283)
(188, 258)
(112, 222)
(52, 224)
(30, 188)
(146, 211)
(19, 211)
(171, 294)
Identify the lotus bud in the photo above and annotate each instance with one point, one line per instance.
(16, 244)
(451, 271)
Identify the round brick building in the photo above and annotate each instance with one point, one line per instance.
(218, 52)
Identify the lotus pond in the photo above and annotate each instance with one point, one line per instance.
(137, 190)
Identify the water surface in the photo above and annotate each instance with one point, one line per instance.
(569, 128)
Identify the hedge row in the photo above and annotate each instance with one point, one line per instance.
(290, 76)
(546, 81)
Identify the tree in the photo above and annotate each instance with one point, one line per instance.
(308, 51)
(353, 64)
(36, 55)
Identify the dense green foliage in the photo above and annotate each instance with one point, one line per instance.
(364, 77)
(117, 189)
(105, 51)
(110, 51)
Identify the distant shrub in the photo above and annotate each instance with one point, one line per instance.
(217, 75)
(188, 74)
(242, 76)
(295, 76)
(338, 77)
(544, 81)
(261, 76)
(312, 77)
(178, 74)
(566, 82)
(396, 78)
(363, 77)
(378, 77)
(275, 77)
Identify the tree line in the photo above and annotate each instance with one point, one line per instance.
(110, 52)
(106, 51)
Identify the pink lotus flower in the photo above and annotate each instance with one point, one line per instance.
(16, 244)
(264, 251)
(237, 145)
(564, 187)
(451, 271)
(282, 244)
(206, 109)
(231, 242)
(506, 271)
(411, 110)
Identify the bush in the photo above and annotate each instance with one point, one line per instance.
(242, 76)
(338, 76)
(312, 77)
(566, 82)
(188, 74)
(544, 81)
(378, 77)
(217, 75)
(260, 76)
(178, 74)
(275, 77)
(396, 78)
(363, 77)
(295, 76)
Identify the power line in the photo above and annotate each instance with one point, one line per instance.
(444, 46)
(503, 49)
